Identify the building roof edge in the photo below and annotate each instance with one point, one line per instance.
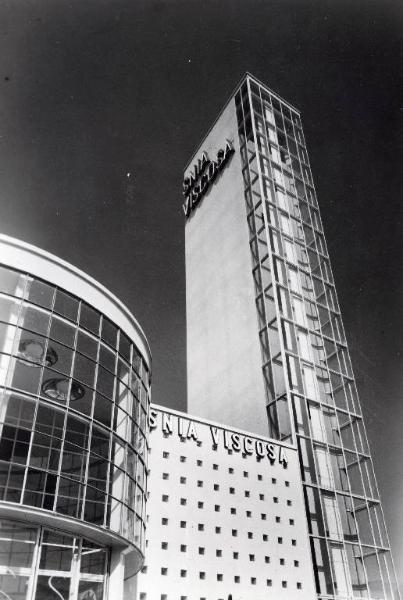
(17, 245)
(246, 75)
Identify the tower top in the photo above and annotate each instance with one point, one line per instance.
(247, 76)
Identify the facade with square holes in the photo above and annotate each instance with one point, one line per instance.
(225, 515)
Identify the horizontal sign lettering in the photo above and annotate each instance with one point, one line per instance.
(236, 442)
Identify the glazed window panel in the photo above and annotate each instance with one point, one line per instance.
(50, 421)
(332, 519)
(354, 472)
(40, 293)
(324, 467)
(74, 462)
(310, 383)
(266, 274)
(124, 346)
(8, 344)
(45, 452)
(124, 397)
(339, 567)
(368, 473)
(56, 555)
(331, 426)
(301, 417)
(24, 376)
(123, 371)
(300, 188)
(12, 282)
(141, 446)
(318, 349)
(31, 348)
(298, 310)
(16, 410)
(11, 481)
(86, 588)
(103, 409)
(66, 306)
(94, 505)
(109, 332)
(87, 345)
(293, 279)
(134, 434)
(132, 461)
(272, 135)
(70, 497)
(317, 425)
(17, 544)
(59, 357)
(33, 319)
(89, 318)
(107, 358)
(289, 337)
(118, 454)
(77, 432)
(121, 424)
(274, 339)
(100, 440)
(304, 346)
(315, 516)
(14, 444)
(98, 472)
(105, 383)
(55, 386)
(294, 374)
(84, 370)
(278, 377)
(93, 559)
(289, 251)
(40, 489)
(140, 476)
(339, 470)
(62, 331)
(363, 522)
(356, 568)
(136, 409)
(289, 183)
(347, 517)
(135, 386)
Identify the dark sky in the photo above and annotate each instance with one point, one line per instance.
(91, 90)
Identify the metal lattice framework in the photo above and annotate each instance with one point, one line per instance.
(310, 387)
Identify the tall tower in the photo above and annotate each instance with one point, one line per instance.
(266, 345)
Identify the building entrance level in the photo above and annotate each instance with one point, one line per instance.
(37, 563)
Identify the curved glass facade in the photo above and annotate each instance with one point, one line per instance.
(45, 564)
(74, 403)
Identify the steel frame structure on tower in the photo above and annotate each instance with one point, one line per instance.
(310, 388)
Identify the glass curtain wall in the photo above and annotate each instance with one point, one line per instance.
(37, 563)
(74, 404)
(311, 392)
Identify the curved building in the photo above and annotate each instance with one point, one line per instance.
(74, 404)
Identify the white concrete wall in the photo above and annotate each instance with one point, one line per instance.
(225, 381)
(274, 491)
